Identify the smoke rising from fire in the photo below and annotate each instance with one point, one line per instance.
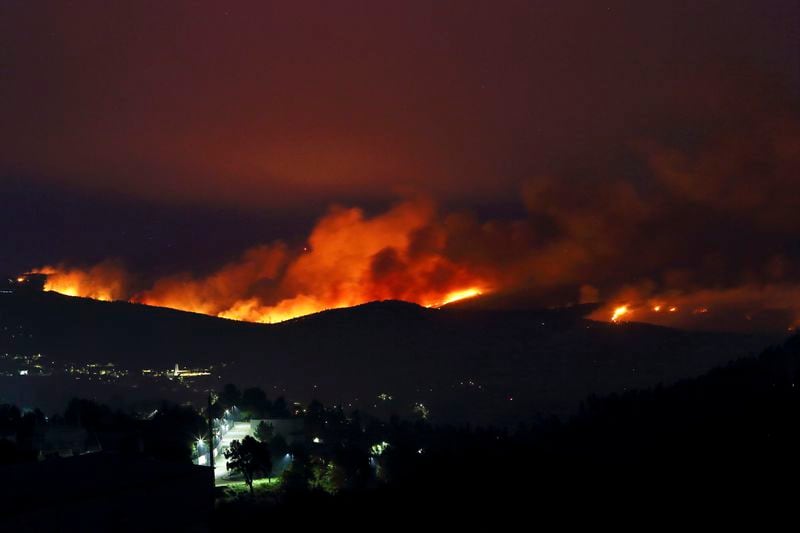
(349, 259)
(692, 235)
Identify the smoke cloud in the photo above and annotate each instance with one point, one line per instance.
(694, 225)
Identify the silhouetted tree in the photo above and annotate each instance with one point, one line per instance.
(280, 409)
(88, 414)
(278, 446)
(315, 419)
(315, 411)
(255, 403)
(9, 419)
(300, 474)
(355, 470)
(264, 432)
(169, 435)
(249, 457)
(230, 396)
(28, 425)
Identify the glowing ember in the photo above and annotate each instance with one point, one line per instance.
(673, 309)
(619, 312)
(657, 308)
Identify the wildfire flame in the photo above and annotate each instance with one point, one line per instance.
(410, 253)
(619, 312)
(645, 308)
(349, 259)
(456, 296)
(101, 282)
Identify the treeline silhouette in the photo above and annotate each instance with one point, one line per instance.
(166, 433)
(731, 434)
(253, 402)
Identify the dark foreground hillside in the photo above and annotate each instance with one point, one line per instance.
(723, 445)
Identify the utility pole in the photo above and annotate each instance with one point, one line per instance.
(210, 433)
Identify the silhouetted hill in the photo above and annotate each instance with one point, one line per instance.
(82, 329)
(476, 364)
(734, 424)
(462, 365)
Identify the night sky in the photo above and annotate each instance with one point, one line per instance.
(623, 151)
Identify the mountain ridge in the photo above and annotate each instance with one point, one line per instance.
(462, 364)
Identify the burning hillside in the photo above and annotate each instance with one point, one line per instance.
(349, 259)
(725, 261)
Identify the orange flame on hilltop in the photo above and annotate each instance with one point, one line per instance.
(741, 308)
(619, 312)
(410, 253)
(350, 259)
(102, 282)
(457, 296)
